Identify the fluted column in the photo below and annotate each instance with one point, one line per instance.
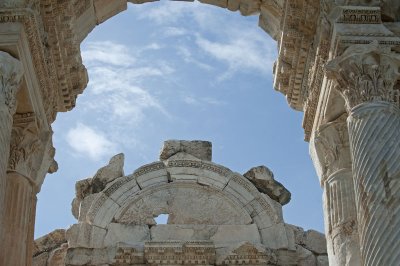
(366, 75)
(330, 151)
(10, 75)
(21, 189)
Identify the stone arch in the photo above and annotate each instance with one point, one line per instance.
(216, 215)
(134, 199)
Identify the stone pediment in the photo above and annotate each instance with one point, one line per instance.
(215, 216)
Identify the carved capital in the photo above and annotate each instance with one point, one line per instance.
(331, 149)
(365, 73)
(25, 145)
(10, 75)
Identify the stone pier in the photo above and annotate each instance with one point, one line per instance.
(330, 151)
(10, 75)
(366, 76)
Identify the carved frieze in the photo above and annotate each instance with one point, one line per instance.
(297, 33)
(180, 253)
(10, 75)
(365, 73)
(248, 254)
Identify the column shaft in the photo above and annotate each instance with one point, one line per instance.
(18, 212)
(330, 151)
(10, 76)
(341, 219)
(374, 130)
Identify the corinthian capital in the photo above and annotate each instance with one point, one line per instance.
(25, 144)
(365, 73)
(330, 149)
(10, 76)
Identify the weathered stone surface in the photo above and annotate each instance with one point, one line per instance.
(315, 241)
(83, 188)
(84, 206)
(57, 256)
(90, 257)
(102, 211)
(221, 235)
(85, 235)
(151, 174)
(122, 188)
(236, 233)
(298, 233)
(108, 173)
(264, 180)
(241, 188)
(75, 207)
(220, 3)
(199, 149)
(49, 242)
(305, 257)
(212, 213)
(322, 260)
(127, 234)
(245, 253)
(179, 252)
(186, 203)
(40, 259)
(275, 237)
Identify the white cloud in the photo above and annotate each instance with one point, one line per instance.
(118, 90)
(228, 38)
(174, 31)
(241, 53)
(203, 101)
(151, 46)
(87, 141)
(187, 56)
(107, 52)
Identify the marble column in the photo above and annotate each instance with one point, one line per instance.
(21, 189)
(330, 151)
(10, 76)
(366, 76)
(18, 213)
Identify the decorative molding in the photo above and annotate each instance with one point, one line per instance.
(298, 27)
(41, 58)
(365, 73)
(180, 253)
(359, 15)
(11, 72)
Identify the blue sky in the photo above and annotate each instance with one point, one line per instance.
(180, 70)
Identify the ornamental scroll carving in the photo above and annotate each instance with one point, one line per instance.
(365, 73)
(10, 76)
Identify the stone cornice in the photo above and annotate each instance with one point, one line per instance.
(298, 27)
(41, 59)
(339, 28)
(10, 76)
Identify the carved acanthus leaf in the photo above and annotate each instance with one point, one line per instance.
(24, 146)
(332, 147)
(365, 73)
(10, 76)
